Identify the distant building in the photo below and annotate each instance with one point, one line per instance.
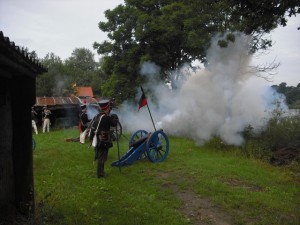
(84, 92)
(64, 110)
(86, 95)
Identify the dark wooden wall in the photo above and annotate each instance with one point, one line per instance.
(18, 73)
(16, 158)
(7, 185)
(22, 144)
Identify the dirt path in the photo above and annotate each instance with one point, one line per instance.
(198, 210)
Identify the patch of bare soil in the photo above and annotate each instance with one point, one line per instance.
(242, 184)
(285, 156)
(198, 210)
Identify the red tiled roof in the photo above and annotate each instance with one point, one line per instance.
(84, 92)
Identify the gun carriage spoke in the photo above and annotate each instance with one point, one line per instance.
(158, 146)
(136, 136)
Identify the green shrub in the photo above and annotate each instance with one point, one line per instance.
(280, 132)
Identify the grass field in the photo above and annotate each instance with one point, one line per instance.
(211, 184)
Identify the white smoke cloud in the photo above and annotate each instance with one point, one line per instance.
(149, 69)
(92, 110)
(221, 99)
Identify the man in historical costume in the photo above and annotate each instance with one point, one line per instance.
(83, 124)
(46, 119)
(34, 120)
(101, 128)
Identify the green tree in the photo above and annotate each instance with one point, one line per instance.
(178, 32)
(51, 83)
(121, 75)
(257, 18)
(142, 31)
(80, 69)
(291, 93)
(83, 70)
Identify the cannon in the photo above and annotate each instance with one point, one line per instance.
(142, 144)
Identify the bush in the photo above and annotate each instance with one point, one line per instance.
(280, 132)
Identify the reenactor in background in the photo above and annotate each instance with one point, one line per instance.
(34, 120)
(83, 124)
(46, 119)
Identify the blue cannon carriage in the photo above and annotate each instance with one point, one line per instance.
(142, 144)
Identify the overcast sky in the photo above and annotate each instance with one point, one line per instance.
(60, 26)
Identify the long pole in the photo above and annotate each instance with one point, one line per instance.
(117, 136)
(151, 117)
(149, 110)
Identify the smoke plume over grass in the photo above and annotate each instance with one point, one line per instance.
(219, 100)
